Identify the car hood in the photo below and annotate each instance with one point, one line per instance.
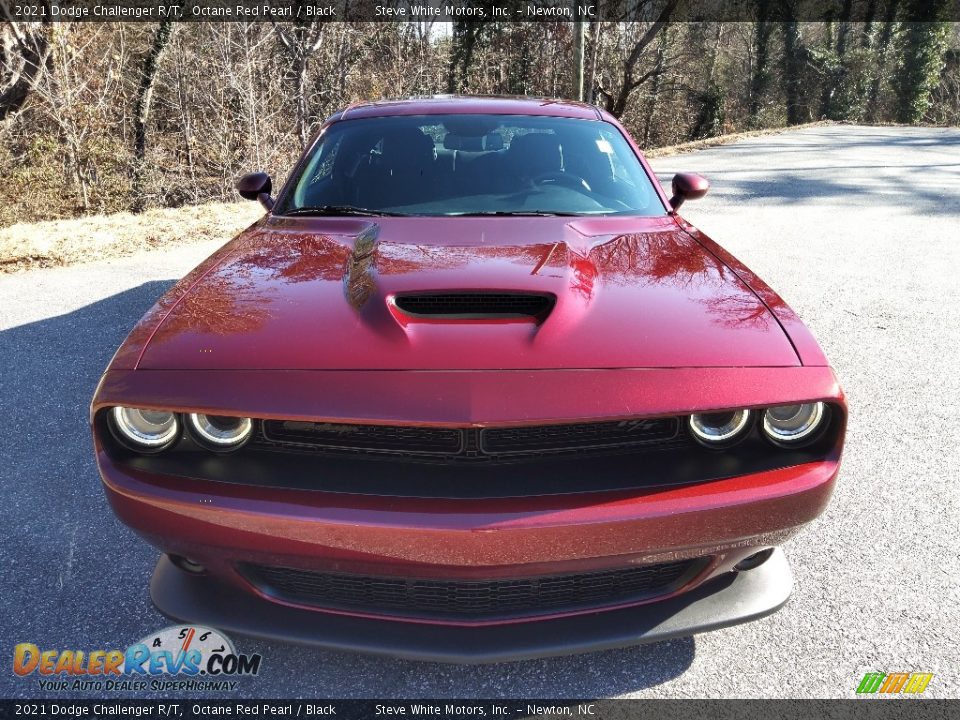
(317, 293)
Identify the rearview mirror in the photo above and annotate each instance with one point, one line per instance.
(688, 186)
(256, 186)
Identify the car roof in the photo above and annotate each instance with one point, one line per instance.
(471, 104)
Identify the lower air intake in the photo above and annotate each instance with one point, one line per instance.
(470, 599)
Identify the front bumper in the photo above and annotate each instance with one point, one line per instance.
(720, 522)
(727, 600)
(221, 525)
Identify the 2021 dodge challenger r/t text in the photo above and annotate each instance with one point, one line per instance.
(471, 390)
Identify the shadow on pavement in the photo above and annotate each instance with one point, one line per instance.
(917, 187)
(69, 570)
(74, 577)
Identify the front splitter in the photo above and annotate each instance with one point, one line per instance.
(728, 600)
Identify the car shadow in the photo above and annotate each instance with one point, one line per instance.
(588, 675)
(71, 574)
(911, 185)
(74, 576)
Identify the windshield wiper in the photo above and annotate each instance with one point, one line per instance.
(340, 210)
(519, 213)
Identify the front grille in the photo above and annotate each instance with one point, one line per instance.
(370, 438)
(580, 436)
(471, 444)
(476, 305)
(470, 599)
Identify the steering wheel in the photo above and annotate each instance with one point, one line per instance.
(561, 178)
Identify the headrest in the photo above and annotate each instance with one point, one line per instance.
(540, 150)
(493, 141)
(407, 146)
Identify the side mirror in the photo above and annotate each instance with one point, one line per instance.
(256, 186)
(688, 186)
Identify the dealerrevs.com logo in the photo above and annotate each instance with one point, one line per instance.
(179, 657)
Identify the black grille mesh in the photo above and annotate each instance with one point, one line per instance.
(477, 305)
(472, 443)
(544, 438)
(374, 438)
(469, 599)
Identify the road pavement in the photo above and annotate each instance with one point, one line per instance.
(856, 227)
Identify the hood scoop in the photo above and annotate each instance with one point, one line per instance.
(475, 305)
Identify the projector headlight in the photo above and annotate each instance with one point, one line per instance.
(220, 432)
(791, 424)
(720, 428)
(144, 430)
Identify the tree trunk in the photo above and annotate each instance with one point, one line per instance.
(186, 120)
(300, 94)
(24, 50)
(249, 62)
(655, 87)
(793, 51)
(300, 41)
(148, 76)
(879, 52)
(869, 15)
(594, 55)
(760, 77)
(464, 41)
(712, 114)
(715, 54)
(922, 46)
(616, 102)
(833, 104)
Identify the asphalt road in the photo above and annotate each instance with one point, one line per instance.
(856, 227)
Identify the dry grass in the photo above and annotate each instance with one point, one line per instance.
(26, 246)
(725, 139)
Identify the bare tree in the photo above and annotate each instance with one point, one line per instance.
(596, 44)
(833, 104)
(24, 50)
(659, 66)
(141, 117)
(301, 40)
(794, 60)
(880, 47)
(466, 36)
(922, 46)
(615, 100)
(760, 75)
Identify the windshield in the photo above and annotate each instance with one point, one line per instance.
(472, 165)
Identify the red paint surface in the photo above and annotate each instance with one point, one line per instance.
(637, 292)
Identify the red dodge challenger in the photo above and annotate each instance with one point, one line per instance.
(470, 390)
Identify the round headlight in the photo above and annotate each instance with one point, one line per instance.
(719, 428)
(221, 432)
(145, 430)
(793, 423)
